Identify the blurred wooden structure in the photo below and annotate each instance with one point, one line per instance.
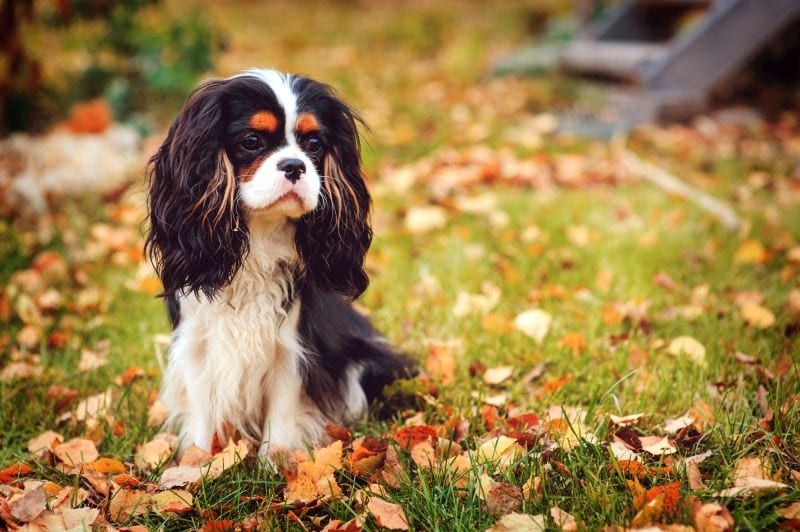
(676, 51)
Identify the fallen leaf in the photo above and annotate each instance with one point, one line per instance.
(179, 476)
(501, 498)
(673, 426)
(689, 347)
(314, 478)
(498, 375)
(29, 505)
(574, 341)
(534, 323)
(91, 360)
(657, 446)
(626, 421)
(711, 517)
(388, 515)
(125, 503)
(14, 472)
(77, 451)
(750, 467)
(563, 520)
(425, 219)
(694, 476)
(750, 252)
(757, 316)
(66, 519)
(93, 407)
(44, 442)
(157, 414)
(515, 522)
(751, 486)
(171, 501)
(107, 465)
(790, 512)
(441, 361)
(232, 454)
(155, 453)
(501, 450)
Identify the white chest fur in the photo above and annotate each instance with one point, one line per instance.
(237, 360)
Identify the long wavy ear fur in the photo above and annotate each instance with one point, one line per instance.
(197, 238)
(334, 238)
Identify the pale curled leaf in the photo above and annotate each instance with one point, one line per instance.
(688, 347)
(388, 515)
(516, 522)
(534, 323)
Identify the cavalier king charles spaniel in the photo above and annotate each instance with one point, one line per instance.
(259, 225)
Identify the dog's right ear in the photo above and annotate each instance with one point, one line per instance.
(197, 237)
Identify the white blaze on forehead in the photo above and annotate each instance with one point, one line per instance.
(281, 85)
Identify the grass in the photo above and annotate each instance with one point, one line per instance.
(634, 232)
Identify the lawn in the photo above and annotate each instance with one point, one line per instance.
(526, 272)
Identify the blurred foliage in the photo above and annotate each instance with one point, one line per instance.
(124, 55)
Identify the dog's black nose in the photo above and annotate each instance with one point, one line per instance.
(293, 169)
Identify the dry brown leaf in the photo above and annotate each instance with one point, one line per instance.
(194, 456)
(93, 407)
(77, 451)
(563, 520)
(441, 361)
(424, 455)
(750, 467)
(502, 498)
(388, 515)
(157, 414)
(532, 488)
(790, 512)
(232, 454)
(694, 476)
(44, 442)
(154, 453)
(29, 504)
(125, 503)
(712, 517)
(673, 426)
(171, 501)
(91, 360)
(314, 478)
(66, 519)
(515, 522)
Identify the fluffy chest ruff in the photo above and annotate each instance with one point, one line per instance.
(238, 361)
(259, 225)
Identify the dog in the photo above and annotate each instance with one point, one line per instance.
(258, 228)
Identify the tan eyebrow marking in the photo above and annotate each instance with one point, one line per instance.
(306, 123)
(264, 121)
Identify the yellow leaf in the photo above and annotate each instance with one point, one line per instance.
(689, 347)
(757, 316)
(750, 252)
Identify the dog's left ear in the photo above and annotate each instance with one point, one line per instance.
(334, 238)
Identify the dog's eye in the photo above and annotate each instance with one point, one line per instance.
(313, 145)
(251, 142)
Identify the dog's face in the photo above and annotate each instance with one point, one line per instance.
(260, 144)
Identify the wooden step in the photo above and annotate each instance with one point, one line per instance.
(614, 59)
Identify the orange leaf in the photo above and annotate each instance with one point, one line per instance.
(13, 472)
(574, 341)
(671, 492)
(555, 384)
(410, 436)
(107, 465)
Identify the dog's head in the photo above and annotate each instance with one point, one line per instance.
(259, 144)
